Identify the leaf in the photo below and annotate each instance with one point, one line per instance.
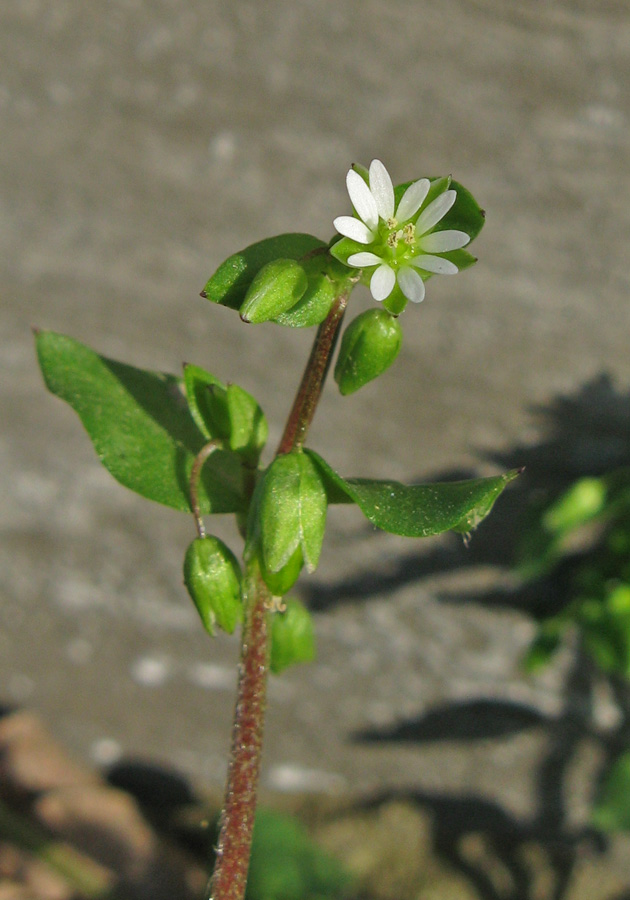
(416, 510)
(287, 865)
(612, 811)
(140, 425)
(231, 281)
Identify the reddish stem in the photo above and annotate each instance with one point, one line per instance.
(229, 878)
(237, 819)
(310, 388)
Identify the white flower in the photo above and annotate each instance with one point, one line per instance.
(400, 239)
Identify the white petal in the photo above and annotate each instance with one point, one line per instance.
(441, 241)
(412, 199)
(362, 199)
(435, 211)
(382, 189)
(353, 228)
(434, 264)
(411, 284)
(382, 282)
(361, 260)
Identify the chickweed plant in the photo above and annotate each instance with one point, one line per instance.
(195, 442)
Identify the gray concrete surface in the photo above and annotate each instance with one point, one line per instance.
(145, 140)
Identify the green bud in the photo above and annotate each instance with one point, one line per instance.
(370, 344)
(292, 636)
(227, 413)
(276, 288)
(287, 519)
(213, 578)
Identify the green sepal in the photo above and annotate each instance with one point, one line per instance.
(232, 279)
(369, 346)
(396, 302)
(344, 248)
(288, 512)
(417, 510)
(140, 425)
(281, 582)
(213, 578)
(277, 287)
(292, 636)
(325, 276)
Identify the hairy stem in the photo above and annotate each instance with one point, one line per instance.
(237, 819)
(229, 878)
(310, 388)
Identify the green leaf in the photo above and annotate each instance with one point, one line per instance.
(292, 636)
(277, 287)
(231, 281)
(213, 578)
(287, 865)
(612, 810)
(417, 510)
(140, 425)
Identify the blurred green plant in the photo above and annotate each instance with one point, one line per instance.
(586, 533)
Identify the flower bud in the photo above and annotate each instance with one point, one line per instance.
(292, 637)
(287, 519)
(370, 344)
(276, 288)
(213, 578)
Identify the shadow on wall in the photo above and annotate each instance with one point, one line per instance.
(584, 435)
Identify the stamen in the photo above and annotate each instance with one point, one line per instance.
(409, 233)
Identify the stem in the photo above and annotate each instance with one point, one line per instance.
(237, 819)
(310, 388)
(229, 878)
(193, 484)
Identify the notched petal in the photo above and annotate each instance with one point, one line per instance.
(382, 189)
(443, 241)
(353, 229)
(435, 264)
(412, 200)
(362, 199)
(365, 259)
(382, 282)
(411, 284)
(435, 211)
